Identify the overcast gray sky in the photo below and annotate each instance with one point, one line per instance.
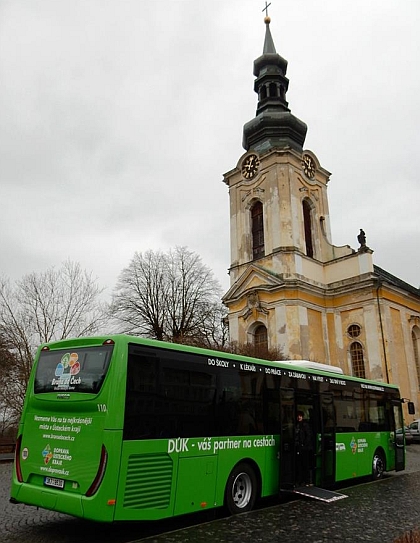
(118, 119)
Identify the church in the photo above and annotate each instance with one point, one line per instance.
(291, 288)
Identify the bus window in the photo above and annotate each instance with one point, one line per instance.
(76, 370)
(167, 397)
(346, 411)
(378, 412)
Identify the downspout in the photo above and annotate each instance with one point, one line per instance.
(382, 330)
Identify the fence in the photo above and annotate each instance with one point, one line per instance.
(7, 449)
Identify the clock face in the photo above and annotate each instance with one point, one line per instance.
(308, 166)
(250, 166)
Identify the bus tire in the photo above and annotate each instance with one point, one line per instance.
(378, 465)
(241, 489)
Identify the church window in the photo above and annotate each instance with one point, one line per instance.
(257, 230)
(354, 330)
(357, 361)
(282, 92)
(308, 228)
(273, 89)
(416, 338)
(263, 92)
(260, 340)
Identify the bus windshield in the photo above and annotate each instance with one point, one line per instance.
(76, 370)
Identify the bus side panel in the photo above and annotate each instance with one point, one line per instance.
(371, 442)
(201, 481)
(271, 471)
(202, 476)
(146, 488)
(355, 451)
(166, 477)
(196, 483)
(259, 452)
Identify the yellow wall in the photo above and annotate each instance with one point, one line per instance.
(316, 336)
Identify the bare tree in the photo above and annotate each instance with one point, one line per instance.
(39, 308)
(256, 351)
(169, 296)
(6, 372)
(140, 297)
(214, 334)
(60, 303)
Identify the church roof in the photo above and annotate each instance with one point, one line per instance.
(268, 42)
(395, 281)
(255, 277)
(274, 125)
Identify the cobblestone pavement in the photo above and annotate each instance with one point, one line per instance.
(374, 512)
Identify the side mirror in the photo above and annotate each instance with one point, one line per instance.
(411, 409)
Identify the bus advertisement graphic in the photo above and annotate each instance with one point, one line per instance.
(66, 371)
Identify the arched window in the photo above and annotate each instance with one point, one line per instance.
(357, 361)
(282, 92)
(257, 230)
(415, 339)
(260, 340)
(272, 90)
(308, 228)
(263, 92)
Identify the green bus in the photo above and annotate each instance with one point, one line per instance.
(122, 428)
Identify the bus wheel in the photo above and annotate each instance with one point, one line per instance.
(378, 465)
(241, 489)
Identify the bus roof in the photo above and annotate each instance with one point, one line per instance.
(308, 364)
(305, 365)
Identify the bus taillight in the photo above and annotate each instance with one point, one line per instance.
(100, 474)
(17, 460)
(109, 342)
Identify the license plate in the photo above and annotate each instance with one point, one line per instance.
(52, 481)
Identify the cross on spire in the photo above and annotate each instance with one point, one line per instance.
(266, 8)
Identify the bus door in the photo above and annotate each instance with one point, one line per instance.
(287, 438)
(291, 402)
(326, 441)
(307, 403)
(398, 423)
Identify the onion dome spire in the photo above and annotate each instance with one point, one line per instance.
(274, 125)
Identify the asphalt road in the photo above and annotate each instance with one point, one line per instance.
(376, 512)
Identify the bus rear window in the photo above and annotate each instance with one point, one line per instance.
(75, 370)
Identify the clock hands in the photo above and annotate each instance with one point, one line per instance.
(250, 166)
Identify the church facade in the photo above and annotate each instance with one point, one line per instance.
(291, 289)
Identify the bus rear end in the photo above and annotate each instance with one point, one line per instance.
(67, 454)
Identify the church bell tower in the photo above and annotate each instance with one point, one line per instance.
(292, 290)
(279, 225)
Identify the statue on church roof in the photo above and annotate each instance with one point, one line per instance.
(361, 238)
